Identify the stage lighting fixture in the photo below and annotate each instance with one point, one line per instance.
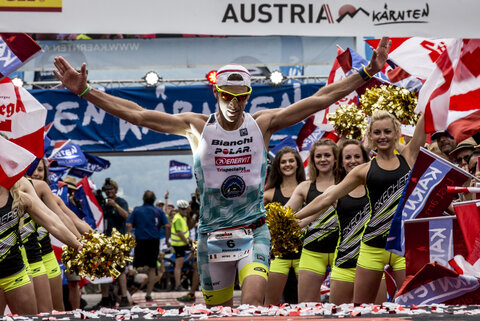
(152, 78)
(17, 81)
(276, 78)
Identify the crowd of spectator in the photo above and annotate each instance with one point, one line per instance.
(164, 235)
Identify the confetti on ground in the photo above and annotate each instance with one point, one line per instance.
(386, 311)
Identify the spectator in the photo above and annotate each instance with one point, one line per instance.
(192, 221)
(461, 154)
(473, 162)
(170, 211)
(166, 205)
(148, 221)
(445, 143)
(165, 232)
(180, 240)
(115, 213)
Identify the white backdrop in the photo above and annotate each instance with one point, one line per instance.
(433, 18)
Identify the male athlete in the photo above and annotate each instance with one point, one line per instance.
(230, 152)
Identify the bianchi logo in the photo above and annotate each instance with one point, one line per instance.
(321, 13)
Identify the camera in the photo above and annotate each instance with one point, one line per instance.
(100, 198)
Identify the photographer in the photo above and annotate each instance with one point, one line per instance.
(115, 209)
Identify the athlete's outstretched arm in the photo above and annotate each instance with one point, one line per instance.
(76, 82)
(327, 95)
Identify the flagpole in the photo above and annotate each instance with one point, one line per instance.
(429, 219)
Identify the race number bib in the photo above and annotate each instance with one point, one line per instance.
(229, 245)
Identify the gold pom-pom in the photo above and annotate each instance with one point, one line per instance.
(100, 255)
(284, 229)
(349, 121)
(399, 102)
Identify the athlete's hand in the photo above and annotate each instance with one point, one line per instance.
(379, 56)
(70, 78)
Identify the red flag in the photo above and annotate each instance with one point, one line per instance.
(468, 215)
(21, 119)
(336, 74)
(450, 98)
(415, 55)
(16, 49)
(432, 240)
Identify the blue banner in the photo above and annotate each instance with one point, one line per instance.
(94, 130)
(55, 174)
(179, 170)
(94, 164)
(68, 154)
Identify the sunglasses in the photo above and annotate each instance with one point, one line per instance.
(466, 158)
(228, 96)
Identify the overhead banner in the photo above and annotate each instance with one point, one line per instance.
(94, 130)
(434, 18)
(190, 52)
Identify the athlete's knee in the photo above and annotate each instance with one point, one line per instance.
(253, 290)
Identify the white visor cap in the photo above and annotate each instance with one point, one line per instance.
(224, 72)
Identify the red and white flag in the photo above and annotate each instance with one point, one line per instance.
(415, 55)
(92, 205)
(336, 74)
(450, 98)
(22, 120)
(16, 49)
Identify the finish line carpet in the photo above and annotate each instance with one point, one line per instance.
(165, 307)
